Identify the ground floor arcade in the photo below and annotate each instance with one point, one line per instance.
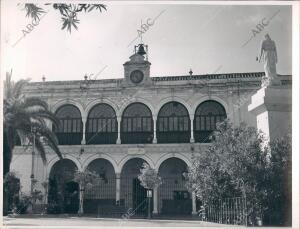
(120, 191)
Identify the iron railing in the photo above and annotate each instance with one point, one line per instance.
(203, 136)
(173, 136)
(225, 211)
(136, 137)
(69, 138)
(101, 138)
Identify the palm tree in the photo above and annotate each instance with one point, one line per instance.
(22, 114)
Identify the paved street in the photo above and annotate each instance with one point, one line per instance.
(82, 222)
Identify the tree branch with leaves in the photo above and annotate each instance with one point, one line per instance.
(69, 12)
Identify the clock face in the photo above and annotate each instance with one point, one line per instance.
(136, 76)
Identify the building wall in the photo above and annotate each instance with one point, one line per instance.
(232, 91)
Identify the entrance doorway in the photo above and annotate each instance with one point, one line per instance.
(139, 197)
(63, 192)
(71, 197)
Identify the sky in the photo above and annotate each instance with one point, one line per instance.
(205, 38)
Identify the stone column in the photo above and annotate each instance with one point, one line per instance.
(192, 140)
(83, 142)
(154, 129)
(118, 187)
(272, 107)
(155, 201)
(119, 130)
(194, 209)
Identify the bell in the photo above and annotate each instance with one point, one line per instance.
(141, 50)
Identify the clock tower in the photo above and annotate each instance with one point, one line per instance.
(137, 69)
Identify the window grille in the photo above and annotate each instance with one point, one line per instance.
(102, 125)
(69, 131)
(173, 124)
(137, 124)
(207, 115)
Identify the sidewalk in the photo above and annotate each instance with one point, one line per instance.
(74, 222)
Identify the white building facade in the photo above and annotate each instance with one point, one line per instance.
(113, 126)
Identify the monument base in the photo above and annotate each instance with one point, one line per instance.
(272, 106)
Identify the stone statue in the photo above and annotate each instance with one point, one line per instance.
(269, 53)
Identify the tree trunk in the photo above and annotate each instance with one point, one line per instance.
(80, 210)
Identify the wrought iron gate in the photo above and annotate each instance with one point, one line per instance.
(225, 211)
(173, 197)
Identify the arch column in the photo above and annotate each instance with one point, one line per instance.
(194, 210)
(118, 188)
(83, 141)
(155, 201)
(192, 140)
(119, 130)
(154, 129)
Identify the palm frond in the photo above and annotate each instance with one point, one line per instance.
(19, 87)
(34, 102)
(22, 114)
(33, 11)
(50, 139)
(40, 113)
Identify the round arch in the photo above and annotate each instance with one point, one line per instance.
(137, 124)
(172, 155)
(95, 102)
(173, 123)
(52, 162)
(210, 98)
(136, 100)
(61, 103)
(129, 157)
(173, 99)
(91, 158)
(63, 191)
(173, 190)
(101, 125)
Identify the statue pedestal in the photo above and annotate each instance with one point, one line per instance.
(272, 107)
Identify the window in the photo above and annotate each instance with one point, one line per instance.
(69, 131)
(207, 115)
(137, 124)
(173, 124)
(102, 126)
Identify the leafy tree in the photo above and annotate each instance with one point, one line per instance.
(279, 185)
(149, 177)
(234, 165)
(86, 180)
(68, 12)
(21, 114)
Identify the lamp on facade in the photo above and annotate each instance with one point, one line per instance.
(149, 196)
